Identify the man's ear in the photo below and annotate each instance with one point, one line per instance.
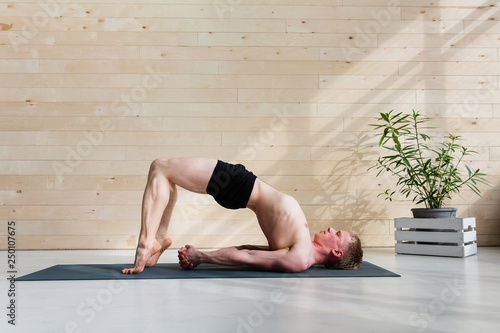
(338, 253)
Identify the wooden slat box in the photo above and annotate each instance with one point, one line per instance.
(455, 237)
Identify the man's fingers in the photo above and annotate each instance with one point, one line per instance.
(186, 264)
(183, 260)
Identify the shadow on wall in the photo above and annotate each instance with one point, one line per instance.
(341, 200)
(362, 207)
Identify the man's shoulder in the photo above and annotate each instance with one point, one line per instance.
(299, 256)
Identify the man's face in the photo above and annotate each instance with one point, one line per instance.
(333, 239)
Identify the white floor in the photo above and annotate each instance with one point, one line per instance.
(433, 294)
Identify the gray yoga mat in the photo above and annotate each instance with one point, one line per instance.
(173, 271)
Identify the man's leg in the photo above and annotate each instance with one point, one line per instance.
(159, 199)
(161, 233)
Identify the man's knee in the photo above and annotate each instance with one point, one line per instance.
(159, 167)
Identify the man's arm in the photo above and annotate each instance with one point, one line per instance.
(283, 260)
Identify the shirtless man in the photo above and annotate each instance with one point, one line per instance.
(280, 217)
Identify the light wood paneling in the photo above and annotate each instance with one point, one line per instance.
(91, 93)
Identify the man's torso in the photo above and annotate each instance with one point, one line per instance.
(280, 217)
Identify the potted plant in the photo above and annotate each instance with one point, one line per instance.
(425, 174)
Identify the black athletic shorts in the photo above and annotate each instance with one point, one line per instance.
(231, 185)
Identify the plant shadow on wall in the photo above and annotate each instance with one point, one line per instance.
(349, 207)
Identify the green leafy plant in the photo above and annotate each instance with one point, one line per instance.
(430, 175)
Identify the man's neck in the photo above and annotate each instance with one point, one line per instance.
(318, 255)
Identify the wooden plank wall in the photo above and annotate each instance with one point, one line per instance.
(92, 92)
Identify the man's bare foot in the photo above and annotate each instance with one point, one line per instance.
(189, 257)
(142, 255)
(165, 243)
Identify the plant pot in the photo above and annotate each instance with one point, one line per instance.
(434, 213)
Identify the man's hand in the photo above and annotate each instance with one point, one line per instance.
(189, 257)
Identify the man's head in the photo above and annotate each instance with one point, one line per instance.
(342, 249)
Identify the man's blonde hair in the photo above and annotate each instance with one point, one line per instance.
(352, 258)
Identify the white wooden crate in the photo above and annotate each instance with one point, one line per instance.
(454, 237)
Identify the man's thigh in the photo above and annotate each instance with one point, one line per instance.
(193, 174)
